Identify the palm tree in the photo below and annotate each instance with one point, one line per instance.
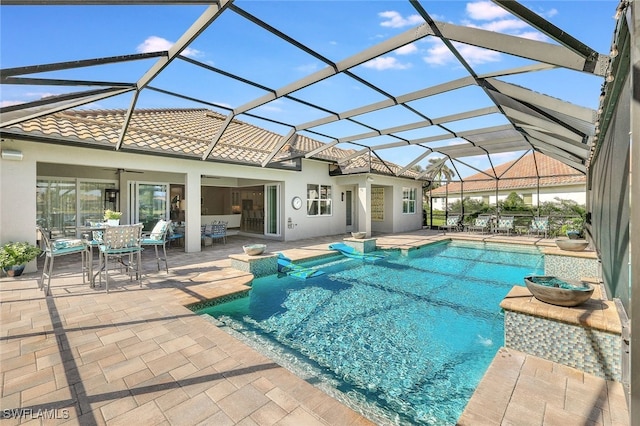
(443, 171)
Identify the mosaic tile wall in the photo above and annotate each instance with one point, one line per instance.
(259, 267)
(592, 351)
(217, 301)
(570, 268)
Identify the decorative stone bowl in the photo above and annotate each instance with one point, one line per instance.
(358, 235)
(572, 245)
(254, 249)
(559, 292)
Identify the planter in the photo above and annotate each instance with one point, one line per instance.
(358, 235)
(113, 222)
(254, 249)
(14, 271)
(572, 245)
(555, 291)
(573, 235)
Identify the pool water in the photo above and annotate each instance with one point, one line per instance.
(403, 340)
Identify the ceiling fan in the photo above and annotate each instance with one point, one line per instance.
(119, 171)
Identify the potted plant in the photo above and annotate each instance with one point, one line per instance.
(14, 257)
(112, 217)
(574, 228)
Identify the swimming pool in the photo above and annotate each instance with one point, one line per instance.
(404, 340)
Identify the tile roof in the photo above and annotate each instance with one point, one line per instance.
(185, 133)
(517, 174)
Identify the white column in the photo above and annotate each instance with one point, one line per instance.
(364, 207)
(192, 212)
(18, 199)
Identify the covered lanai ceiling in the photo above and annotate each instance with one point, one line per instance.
(407, 122)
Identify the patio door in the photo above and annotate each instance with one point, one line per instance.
(148, 203)
(272, 209)
(348, 199)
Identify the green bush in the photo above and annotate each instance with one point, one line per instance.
(15, 254)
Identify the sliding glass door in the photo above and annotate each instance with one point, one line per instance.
(272, 209)
(148, 203)
(63, 205)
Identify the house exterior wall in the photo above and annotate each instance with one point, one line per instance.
(576, 193)
(18, 183)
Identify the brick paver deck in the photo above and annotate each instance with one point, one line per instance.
(138, 356)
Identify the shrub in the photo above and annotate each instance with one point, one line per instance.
(15, 254)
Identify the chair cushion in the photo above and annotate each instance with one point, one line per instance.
(539, 224)
(66, 243)
(159, 230)
(505, 223)
(452, 221)
(481, 221)
(151, 242)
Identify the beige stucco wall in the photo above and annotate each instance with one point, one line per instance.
(18, 183)
(576, 193)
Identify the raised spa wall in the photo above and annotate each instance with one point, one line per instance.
(586, 337)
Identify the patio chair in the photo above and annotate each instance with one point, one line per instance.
(453, 223)
(57, 248)
(481, 223)
(539, 225)
(119, 242)
(92, 240)
(158, 238)
(175, 233)
(217, 231)
(505, 224)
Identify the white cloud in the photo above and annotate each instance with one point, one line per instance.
(504, 25)
(307, 68)
(485, 11)
(406, 49)
(477, 55)
(533, 35)
(28, 97)
(394, 19)
(10, 103)
(385, 63)
(158, 44)
(549, 13)
(439, 54)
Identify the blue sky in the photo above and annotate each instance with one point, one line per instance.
(33, 35)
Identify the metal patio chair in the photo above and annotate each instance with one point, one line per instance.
(217, 231)
(57, 248)
(481, 223)
(119, 242)
(539, 225)
(505, 224)
(453, 223)
(158, 238)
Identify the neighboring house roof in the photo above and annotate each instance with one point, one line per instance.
(187, 133)
(518, 174)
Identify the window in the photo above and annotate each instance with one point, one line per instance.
(408, 200)
(528, 199)
(318, 200)
(64, 204)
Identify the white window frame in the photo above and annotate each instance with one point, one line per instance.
(323, 197)
(409, 196)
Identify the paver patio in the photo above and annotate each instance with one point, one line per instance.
(139, 356)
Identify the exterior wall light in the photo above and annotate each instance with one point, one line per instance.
(11, 154)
